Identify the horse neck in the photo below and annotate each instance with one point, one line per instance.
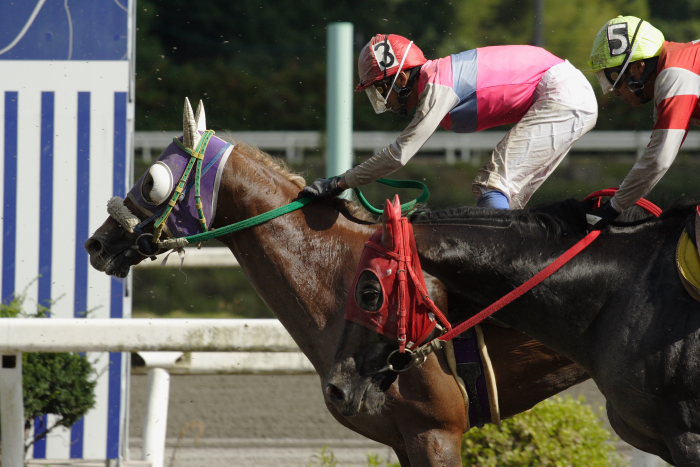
(301, 263)
(482, 263)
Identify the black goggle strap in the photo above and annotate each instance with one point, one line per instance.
(628, 55)
(396, 75)
(404, 92)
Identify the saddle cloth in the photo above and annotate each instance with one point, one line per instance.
(687, 258)
(468, 359)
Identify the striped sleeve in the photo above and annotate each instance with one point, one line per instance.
(676, 92)
(649, 168)
(676, 97)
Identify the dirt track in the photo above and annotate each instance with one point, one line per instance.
(259, 420)
(249, 420)
(243, 406)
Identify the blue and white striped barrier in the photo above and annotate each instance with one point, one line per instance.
(65, 142)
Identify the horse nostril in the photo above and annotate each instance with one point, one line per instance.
(93, 246)
(335, 394)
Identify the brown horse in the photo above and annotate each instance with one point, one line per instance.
(302, 265)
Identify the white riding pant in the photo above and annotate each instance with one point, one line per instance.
(563, 110)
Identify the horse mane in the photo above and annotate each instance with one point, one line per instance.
(553, 220)
(269, 161)
(348, 208)
(682, 207)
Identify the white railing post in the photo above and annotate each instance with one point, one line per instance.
(11, 410)
(156, 418)
(155, 423)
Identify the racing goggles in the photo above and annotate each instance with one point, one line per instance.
(609, 79)
(379, 92)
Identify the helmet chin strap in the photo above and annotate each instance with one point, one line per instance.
(637, 86)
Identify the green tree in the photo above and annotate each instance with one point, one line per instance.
(558, 431)
(61, 384)
(259, 65)
(676, 19)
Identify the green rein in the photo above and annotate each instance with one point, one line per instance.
(198, 156)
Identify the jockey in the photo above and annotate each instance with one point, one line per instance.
(550, 102)
(634, 62)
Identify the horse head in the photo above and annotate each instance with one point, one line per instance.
(158, 206)
(389, 314)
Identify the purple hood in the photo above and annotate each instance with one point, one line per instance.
(183, 220)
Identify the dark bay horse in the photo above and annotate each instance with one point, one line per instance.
(618, 309)
(301, 264)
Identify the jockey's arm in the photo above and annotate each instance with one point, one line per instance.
(649, 168)
(434, 103)
(676, 99)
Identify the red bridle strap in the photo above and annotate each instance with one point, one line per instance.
(642, 202)
(522, 288)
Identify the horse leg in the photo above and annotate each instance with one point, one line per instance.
(685, 449)
(402, 457)
(434, 448)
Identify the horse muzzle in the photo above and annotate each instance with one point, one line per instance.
(351, 395)
(116, 256)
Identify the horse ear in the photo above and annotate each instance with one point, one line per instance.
(392, 213)
(190, 136)
(396, 208)
(387, 237)
(200, 118)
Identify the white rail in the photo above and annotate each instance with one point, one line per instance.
(451, 146)
(132, 335)
(257, 345)
(218, 256)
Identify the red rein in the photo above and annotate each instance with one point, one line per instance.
(407, 313)
(544, 273)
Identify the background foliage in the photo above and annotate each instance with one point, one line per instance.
(560, 429)
(261, 65)
(61, 384)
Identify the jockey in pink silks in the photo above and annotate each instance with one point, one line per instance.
(549, 101)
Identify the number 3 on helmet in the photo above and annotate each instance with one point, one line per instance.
(383, 57)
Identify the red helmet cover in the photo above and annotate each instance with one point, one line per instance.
(381, 57)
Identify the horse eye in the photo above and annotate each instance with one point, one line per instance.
(371, 299)
(368, 293)
(147, 186)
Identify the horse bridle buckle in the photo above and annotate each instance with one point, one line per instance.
(146, 246)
